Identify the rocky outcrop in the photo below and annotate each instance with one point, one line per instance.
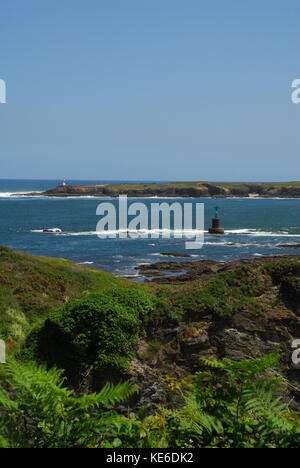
(175, 350)
(192, 270)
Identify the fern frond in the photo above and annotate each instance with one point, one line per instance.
(108, 396)
(193, 417)
(213, 363)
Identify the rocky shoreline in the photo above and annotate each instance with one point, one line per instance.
(173, 272)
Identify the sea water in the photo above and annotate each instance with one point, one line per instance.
(254, 227)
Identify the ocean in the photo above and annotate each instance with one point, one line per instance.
(254, 227)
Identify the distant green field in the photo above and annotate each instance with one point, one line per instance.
(197, 184)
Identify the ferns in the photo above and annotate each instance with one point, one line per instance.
(108, 396)
(231, 405)
(247, 402)
(195, 419)
(40, 412)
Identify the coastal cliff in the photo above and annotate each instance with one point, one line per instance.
(161, 357)
(180, 189)
(240, 310)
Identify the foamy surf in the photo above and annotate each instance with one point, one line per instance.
(17, 194)
(178, 234)
(257, 232)
(137, 232)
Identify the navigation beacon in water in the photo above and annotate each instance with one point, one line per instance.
(216, 227)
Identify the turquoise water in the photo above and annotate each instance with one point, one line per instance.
(254, 227)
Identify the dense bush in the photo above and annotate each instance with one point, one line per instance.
(98, 332)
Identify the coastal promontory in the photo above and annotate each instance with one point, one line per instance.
(180, 189)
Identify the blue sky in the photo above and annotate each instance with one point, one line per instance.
(149, 89)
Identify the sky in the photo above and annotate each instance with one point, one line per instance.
(150, 89)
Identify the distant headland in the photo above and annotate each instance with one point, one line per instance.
(180, 189)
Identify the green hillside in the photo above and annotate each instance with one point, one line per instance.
(30, 287)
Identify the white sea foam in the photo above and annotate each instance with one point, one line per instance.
(257, 232)
(130, 275)
(136, 232)
(180, 233)
(16, 194)
(55, 231)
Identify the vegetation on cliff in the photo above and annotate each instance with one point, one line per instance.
(204, 363)
(99, 332)
(231, 405)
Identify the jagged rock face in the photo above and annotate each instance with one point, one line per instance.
(215, 189)
(237, 339)
(245, 334)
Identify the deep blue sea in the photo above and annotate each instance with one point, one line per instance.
(254, 227)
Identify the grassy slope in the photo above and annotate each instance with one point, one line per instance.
(30, 287)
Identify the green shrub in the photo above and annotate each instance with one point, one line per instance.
(98, 332)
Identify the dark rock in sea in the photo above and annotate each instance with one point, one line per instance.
(152, 273)
(288, 246)
(174, 254)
